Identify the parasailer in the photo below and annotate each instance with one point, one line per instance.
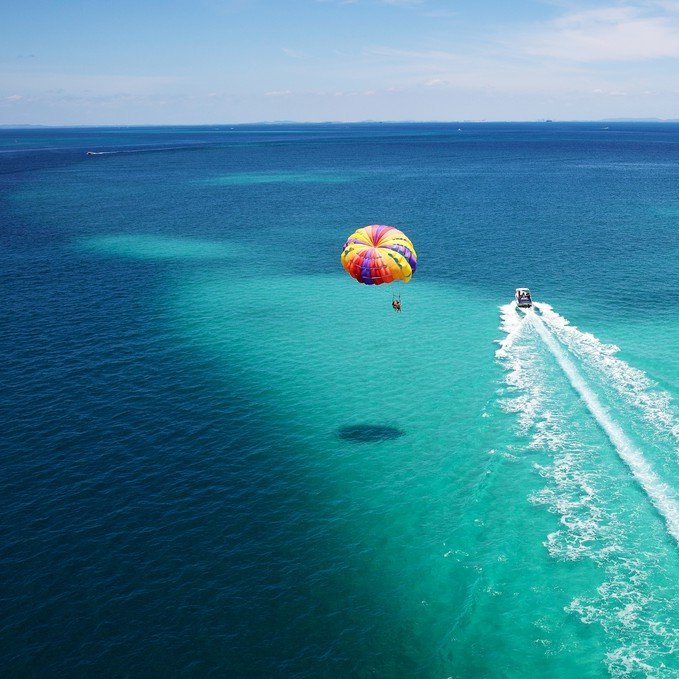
(379, 254)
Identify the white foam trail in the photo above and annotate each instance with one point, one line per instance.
(520, 375)
(632, 384)
(511, 324)
(658, 492)
(629, 607)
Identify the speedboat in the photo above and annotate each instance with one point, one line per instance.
(523, 298)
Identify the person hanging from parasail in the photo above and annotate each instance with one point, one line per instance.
(378, 254)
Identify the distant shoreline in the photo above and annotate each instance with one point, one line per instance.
(273, 123)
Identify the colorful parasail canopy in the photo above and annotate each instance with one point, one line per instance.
(379, 254)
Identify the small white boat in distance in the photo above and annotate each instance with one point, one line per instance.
(523, 298)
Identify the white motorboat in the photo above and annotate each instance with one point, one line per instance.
(523, 298)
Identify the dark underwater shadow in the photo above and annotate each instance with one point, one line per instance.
(369, 433)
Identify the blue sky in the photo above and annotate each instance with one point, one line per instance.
(227, 61)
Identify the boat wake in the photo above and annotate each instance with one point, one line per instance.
(150, 148)
(632, 384)
(601, 516)
(660, 493)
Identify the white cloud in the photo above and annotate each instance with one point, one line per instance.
(609, 93)
(278, 93)
(615, 33)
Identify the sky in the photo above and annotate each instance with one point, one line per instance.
(127, 62)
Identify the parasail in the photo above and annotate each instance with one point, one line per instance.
(379, 254)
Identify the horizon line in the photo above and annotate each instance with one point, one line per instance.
(480, 121)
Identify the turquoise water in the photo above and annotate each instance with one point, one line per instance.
(224, 456)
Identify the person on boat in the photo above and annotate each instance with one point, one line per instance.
(396, 304)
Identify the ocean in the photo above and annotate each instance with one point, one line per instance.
(222, 456)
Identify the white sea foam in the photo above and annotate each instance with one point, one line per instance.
(511, 323)
(571, 494)
(520, 376)
(660, 494)
(626, 606)
(629, 607)
(631, 383)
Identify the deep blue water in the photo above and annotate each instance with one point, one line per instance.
(223, 456)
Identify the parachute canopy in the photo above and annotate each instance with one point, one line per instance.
(379, 254)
